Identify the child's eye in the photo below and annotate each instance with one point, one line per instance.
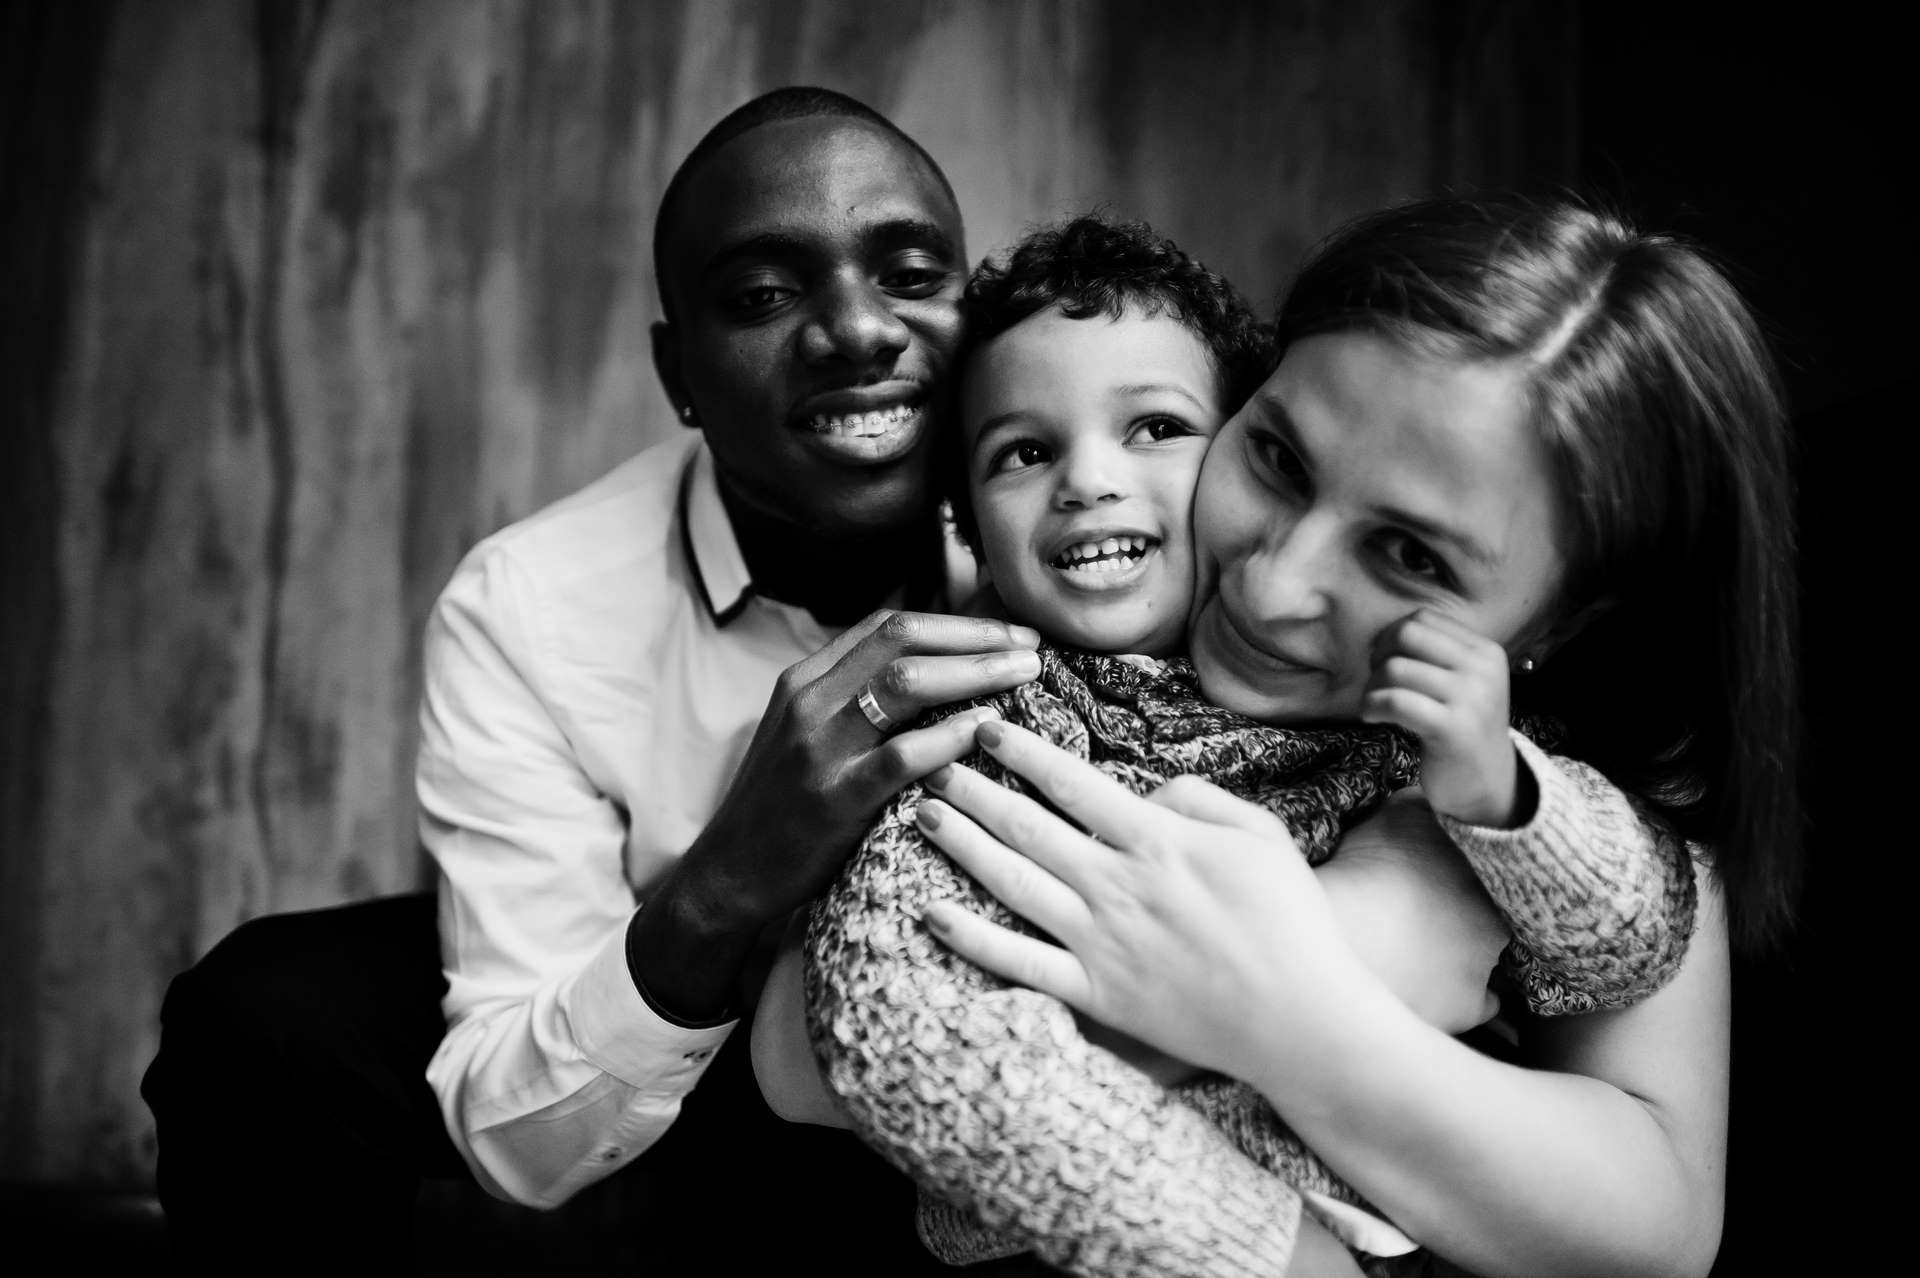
(1018, 456)
(1159, 429)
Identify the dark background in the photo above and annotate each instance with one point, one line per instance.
(1774, 138)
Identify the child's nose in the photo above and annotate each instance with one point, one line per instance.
(1088, 479)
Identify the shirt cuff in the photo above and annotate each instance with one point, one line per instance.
(619, 1031)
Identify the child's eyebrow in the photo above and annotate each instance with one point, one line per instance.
(1135, 390)
(998, 422)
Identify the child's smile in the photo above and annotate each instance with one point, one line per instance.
(1084, 441)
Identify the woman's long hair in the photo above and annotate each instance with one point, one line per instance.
(1661, 411)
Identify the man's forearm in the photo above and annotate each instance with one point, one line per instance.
(687, 947)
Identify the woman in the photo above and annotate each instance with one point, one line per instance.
(1190, 925)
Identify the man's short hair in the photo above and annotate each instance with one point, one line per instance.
(792, 102)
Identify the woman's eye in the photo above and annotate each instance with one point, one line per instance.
(1160, 429)
(1410, 556)
(1018, 456)
(1278, 459)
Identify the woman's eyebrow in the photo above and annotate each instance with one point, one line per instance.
(1468, 545)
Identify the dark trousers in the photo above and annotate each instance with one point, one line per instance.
(297, 1134)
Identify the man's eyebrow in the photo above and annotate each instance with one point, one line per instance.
(774, 246)
(908, 232)
(782, 248)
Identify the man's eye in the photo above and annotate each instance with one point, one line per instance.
(756, 298)
(1159, 429)
(1018, 456)
(916, 281)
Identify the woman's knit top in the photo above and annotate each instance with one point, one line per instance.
(1023, 1134)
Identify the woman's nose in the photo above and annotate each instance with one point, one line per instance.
(1292, 574)
(1087, 477)
(854, 321)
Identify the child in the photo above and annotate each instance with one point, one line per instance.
(1100, 362)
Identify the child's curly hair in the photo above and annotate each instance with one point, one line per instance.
(1091, 266)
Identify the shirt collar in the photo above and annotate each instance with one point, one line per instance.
(718, 566)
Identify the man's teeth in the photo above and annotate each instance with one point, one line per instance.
(864, 425)
(1110, 555)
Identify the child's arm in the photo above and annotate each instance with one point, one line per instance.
(989, 1096)
(1599, 895)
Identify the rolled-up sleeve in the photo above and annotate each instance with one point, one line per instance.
(554, 1071)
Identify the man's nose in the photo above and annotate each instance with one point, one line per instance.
(1087, 477)
(854, 321)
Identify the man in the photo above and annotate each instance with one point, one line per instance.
(615, 836)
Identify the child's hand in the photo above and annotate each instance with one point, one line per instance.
(1448, 686)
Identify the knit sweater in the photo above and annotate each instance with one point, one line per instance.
(1023, 1134)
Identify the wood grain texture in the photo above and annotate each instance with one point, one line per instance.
(353, 284)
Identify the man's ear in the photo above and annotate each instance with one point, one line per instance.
(1565, 628)
(666, 366)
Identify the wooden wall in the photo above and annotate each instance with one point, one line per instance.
(307, 297)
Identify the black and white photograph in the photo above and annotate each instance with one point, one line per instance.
(990, 638)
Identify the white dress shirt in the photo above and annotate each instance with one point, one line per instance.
(593, 675)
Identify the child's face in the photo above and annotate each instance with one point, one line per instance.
(1084, 440)
(1362, 482)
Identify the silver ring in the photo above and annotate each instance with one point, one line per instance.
(878, 717)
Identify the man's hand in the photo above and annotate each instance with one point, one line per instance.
(1448, 685)
(816, 775)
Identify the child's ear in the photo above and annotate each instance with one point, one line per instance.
(1565, 628)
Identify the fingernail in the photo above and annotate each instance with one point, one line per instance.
(990, 733)
(935, 917)
(1025, 635)
(928, 814)
(1025, 664)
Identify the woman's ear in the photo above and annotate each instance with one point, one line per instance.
(1534, 653)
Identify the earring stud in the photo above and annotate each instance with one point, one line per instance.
(1524, 665)
(686, 412)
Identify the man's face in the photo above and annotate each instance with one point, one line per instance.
(815, 276)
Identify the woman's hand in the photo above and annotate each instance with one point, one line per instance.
(1192, 911)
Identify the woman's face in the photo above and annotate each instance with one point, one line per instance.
(1365, 480)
